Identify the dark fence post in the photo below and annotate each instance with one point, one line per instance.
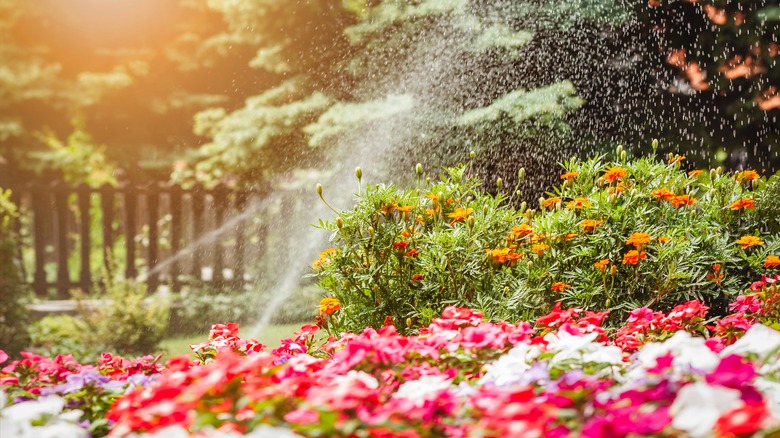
(220, 195)
(130, 212)
(61, 238)
(153, 211)
(39, 198)
(85, 275)
(175, 206)
(198, 195)
(107, 208)
(238, 262)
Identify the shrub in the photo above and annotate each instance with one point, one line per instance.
(61, 334)
(614, 235)
(13, 293)
(123, 319)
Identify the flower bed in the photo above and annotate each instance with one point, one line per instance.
(662, 374)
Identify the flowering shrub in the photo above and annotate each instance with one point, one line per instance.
(614, 235)
(661, 374)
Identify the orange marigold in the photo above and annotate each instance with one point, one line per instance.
(559, 286)
(329, 306)
(633, 257)
(742, 203)
(539, 248)
(570, 175)
(601, 265)
(615, 174)
(590, 224)
(663, 193)
(675, 158)
(681, 200)
(549, 202)
(663, 239)
(695, 173)
(414, 252)
(400, 245)
(746, 175)
(638, 239)
(749, 241)
(772, 261)
(460, 214)
(522, 230)
(405, 208)
(578, 204)
(571, 236)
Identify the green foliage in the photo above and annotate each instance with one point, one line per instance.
(409, 253)
(13, 293)
(123, 319)
(61, 334)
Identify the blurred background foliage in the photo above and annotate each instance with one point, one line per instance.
(247, 92)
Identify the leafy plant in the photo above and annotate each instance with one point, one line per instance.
(614, 235)
(13, 293)
(122, 318)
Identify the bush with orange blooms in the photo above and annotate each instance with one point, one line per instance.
(614, 235)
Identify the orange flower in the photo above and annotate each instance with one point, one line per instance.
(663, 239)
(430, 212)
(639, 239)
(549, 202)
(539, 248)
(417, 277)
(503, 256)
(716, 276)
(405, 208)
(749, 241)
(633, 257)
(676, 158)
(578, 204)
(400, 245)
(772, 261)
(746, 176)
(601, 265)
(695, 173)
(388, 208)
(743, 203)
(521, 230)
(570, 175)
(414, 252)
(324, 258)
(460, 214)
(571, 236)
(663, 193)
(614, 174)
(329, 305)
(559, 286)
(590, 224)
(681, 200)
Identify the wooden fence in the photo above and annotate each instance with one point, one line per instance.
(141, 229)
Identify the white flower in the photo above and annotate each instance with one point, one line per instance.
(507, 369)
(689, 353)
(423, 389)
(582, 348)
(759, 339)
(17, 420)
(367, 379)
(698, 406)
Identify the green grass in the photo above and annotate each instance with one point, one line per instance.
(270, 336)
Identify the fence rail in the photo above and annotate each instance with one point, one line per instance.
(143, 229)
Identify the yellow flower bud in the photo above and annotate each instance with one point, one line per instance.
(613, 271)
(499, 183)
(339, 222)
(472, 155)
(319, 189)
(371, 231)
(418, 169)
(470, 221)
(358, 173)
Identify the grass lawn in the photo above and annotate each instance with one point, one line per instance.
(270, 336)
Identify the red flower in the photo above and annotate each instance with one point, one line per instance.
(742, 420)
